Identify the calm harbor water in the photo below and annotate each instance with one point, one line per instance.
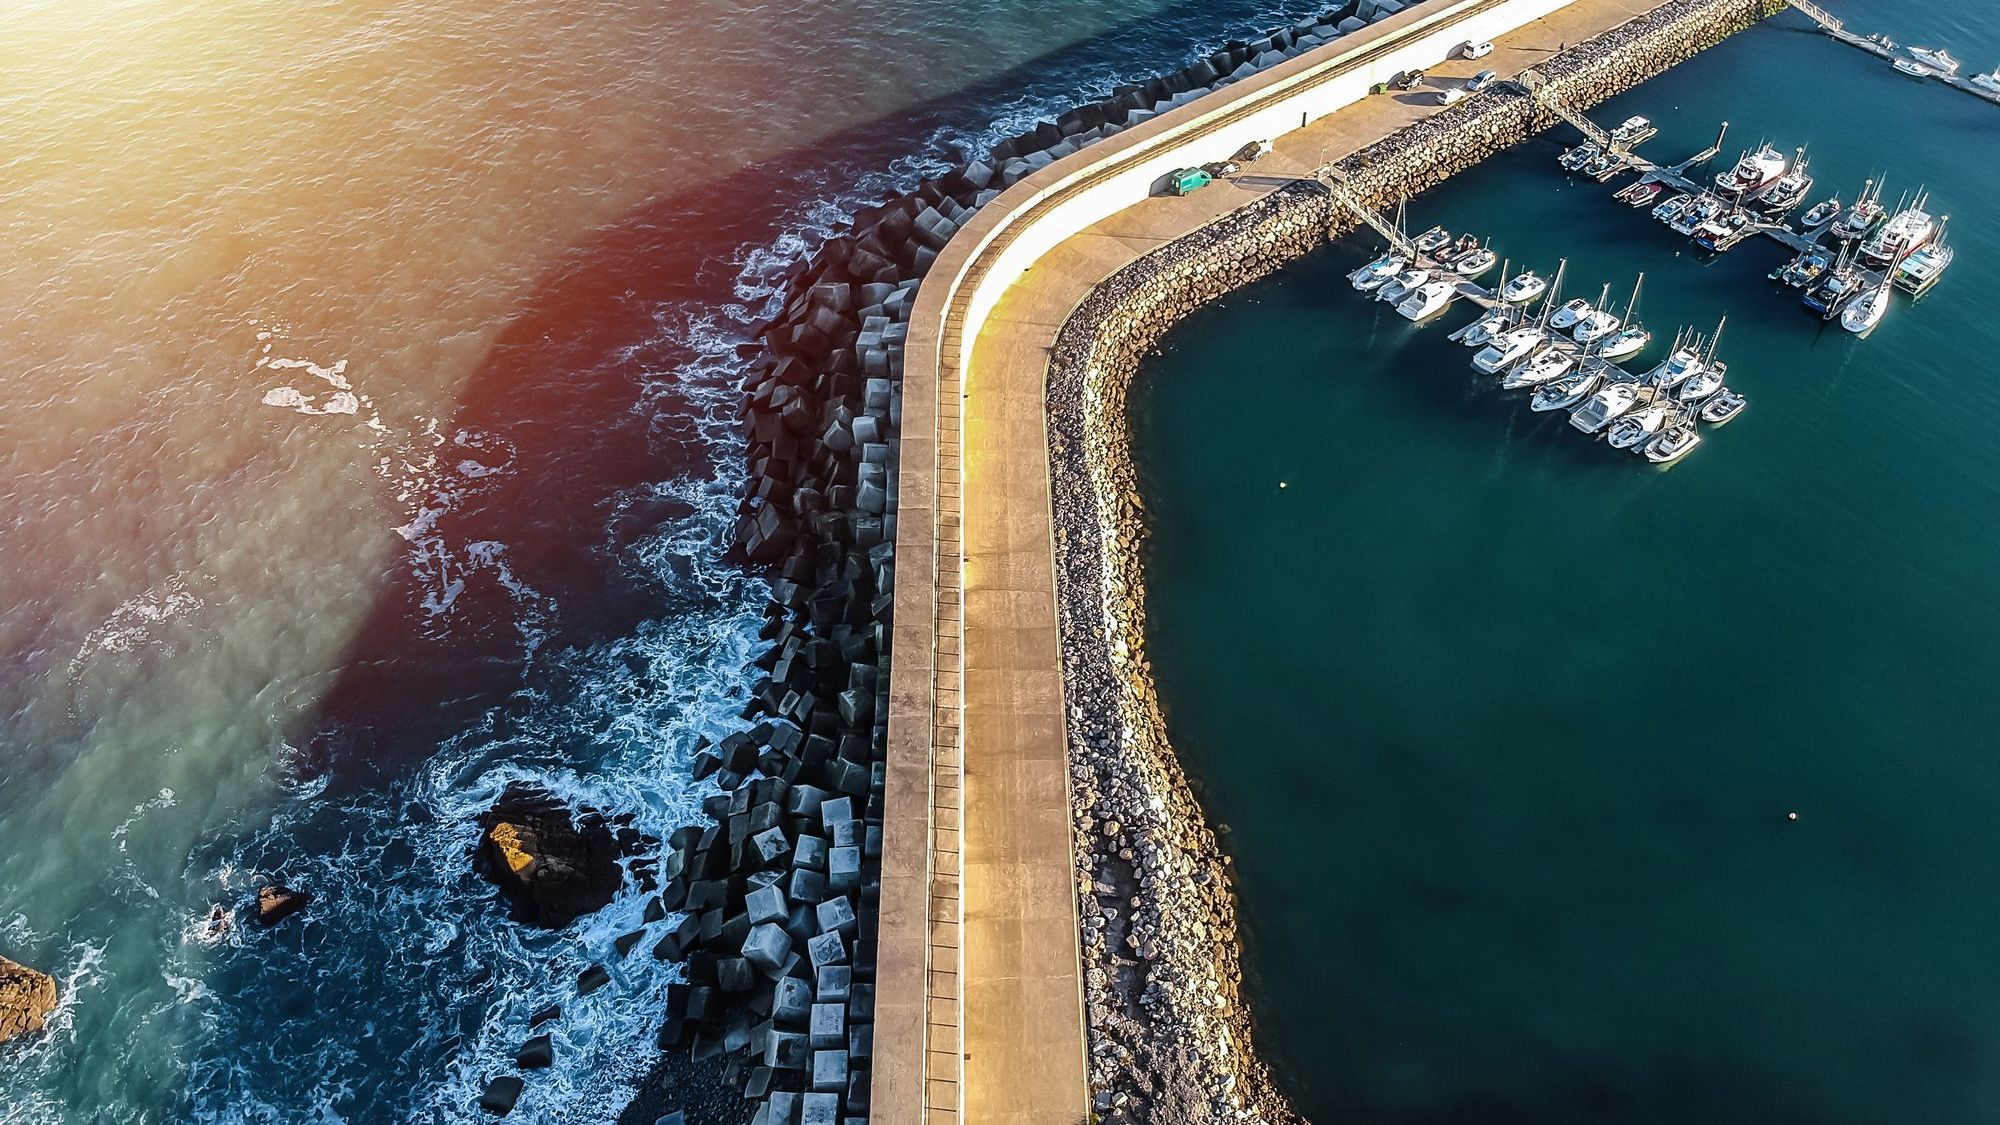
(369, 445)
(1506, 726)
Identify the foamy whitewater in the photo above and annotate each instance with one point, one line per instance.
(404, 986)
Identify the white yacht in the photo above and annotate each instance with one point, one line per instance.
(1572, 311)
(1988, 82)
(1639, 425)
(1564, 392)
(1939, 60)
(1377, 273)
(1523, 288)
(1595, 326)
(1907, 232)
(1865, 312)
(1674, 442)
(1605, 406)
(1509, 349)
(1404, 284)
(1753, 172)
(1630, 340)
(1428, 299)
(1725, 405)
(1547, 367)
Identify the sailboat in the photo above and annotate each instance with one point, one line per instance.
(1518, 344)
(1866, 311)
(1632, 338)
(1708, 378)
(1598, 322)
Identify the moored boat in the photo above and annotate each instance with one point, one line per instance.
(1488, 328)
(1989, 82)
(1639, 194)
(1704, 208)
(1402, 285)
(1914, 69)
(1577, 157)
(1860, 220)
(1701, 384)
(1670, 210)
(1549, 366)
(1564, 392)
(1788, 190)
(1673, 443)
(1804, 269)
(1604, 407)
(1755, 171)
(1725, 405)
(1523, 288)
(1822, 213)
(1939, 60)
(1377, 273)
(1570, 313)
(1509, 348)
(1639, 424)
(1921, 270)
(1629, 341)
(1866, 311)
(1475, 263)
(1908, 231)
(1431, 239)
(1428, 299)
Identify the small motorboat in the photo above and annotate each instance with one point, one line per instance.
(1475, 263)
(1445, 255)
(1564, 392)
(1722, 232)
(1402, 286)
(1640, 194)
(1804, 269)
(1573, 310)
(1670, 210)
(1579, 156)
(1377, 273)
(1547, 367)
(1605, 406)
(1673, 443)
(1914, 69)
(1508, 348)
(1634, 130)
(1637, 428)
(1523, 288)
(1630, 341)
(1865, 312)
(1725, 405)
(1988, 82)
(1428, 300)
(1431, 239)
(1821, 214)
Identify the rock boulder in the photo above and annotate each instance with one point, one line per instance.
(551, 868)
(26, 999)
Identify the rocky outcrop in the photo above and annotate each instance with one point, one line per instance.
(277, 903)
(1169, 1033)
(551, 868)
(26, 999)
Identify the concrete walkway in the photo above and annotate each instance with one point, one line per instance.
(1022, 996)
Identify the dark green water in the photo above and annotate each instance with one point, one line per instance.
(1506, 726)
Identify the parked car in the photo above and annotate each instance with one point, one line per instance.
(1252, 151)
(1476, 50)
(1188, 180)
(1410, 80)
(1480, 81)
(1450, 95)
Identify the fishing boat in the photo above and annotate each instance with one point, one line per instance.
(1604, 407)
(1639, 424)
(1402, 285)
(1822, 213)
(1860, 220)
(1939, 60)
(1804, 269)
(1475, 263)
(1833, 288)
(1547, 367)
(1509, 348)
(1721, 232)
(1865, 312)
(1788, 190)
(1909, 230)
(1523, 288)
(1725, 405)
(1634, 130)
(1579, 156)
(1431, 239)
(1675, 442)
(1922, 269)
(1428, 299)
(1377, 273)
(1704, 208)
(1564, 392)
(1639, 194)
(1569, 314)
(1670, 210)
(1755, 171)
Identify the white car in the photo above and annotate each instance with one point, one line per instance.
(1476, 50)
(1450, 95)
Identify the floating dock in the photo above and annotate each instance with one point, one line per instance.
(1835, 28)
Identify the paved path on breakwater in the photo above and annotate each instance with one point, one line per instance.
(1010, 972)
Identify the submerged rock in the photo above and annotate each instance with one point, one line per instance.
(26, 999)
(279, 902)
(551, 869)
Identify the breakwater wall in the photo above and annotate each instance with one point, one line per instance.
(1170, 1033)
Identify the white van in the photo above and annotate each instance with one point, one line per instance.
(1476, 50)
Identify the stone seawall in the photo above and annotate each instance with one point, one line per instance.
(1170, 1035)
